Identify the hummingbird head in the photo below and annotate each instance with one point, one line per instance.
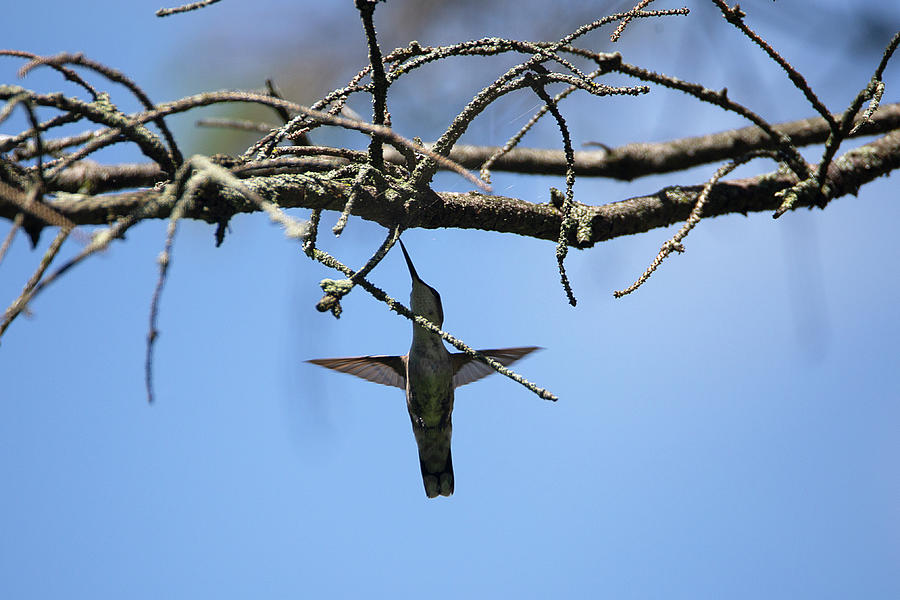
(424, 300)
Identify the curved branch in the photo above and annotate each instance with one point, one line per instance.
(626, 163)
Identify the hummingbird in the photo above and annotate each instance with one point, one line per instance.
(428, 374)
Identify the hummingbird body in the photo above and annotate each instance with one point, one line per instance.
(429, 390)
(429, 374)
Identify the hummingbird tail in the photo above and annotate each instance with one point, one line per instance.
(438, 482)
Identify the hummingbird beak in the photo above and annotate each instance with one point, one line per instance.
(424, 299)
(412, 269)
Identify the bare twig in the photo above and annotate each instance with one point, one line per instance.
(379, 81)
(735, 16)
(562, 245)
(20, 303)
(674, 243)
(239, 124)
(66, 72)
(165, 12)
(11, 235)
(621, 28)
(164, 260)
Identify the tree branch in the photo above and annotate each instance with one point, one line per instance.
(625, 162)
(492, 213)
(632, 161)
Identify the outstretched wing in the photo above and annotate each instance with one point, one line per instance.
(386, 370)
(466, 369)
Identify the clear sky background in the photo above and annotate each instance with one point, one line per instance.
(732, 430)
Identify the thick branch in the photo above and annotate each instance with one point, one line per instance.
(496, 213)
(641, 159)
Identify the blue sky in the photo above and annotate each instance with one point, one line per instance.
(729, 431)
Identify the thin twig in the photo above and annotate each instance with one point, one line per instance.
(164, 260)
(239, 124)
(165, 12)
(10, 236)
(66, 72)
(358, 182)
(562, 245)
(20, 303)
(485, 170)
(621, 28)
(380, 85)
(674, 243)
(735, 16)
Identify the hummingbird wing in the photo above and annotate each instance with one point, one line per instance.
(466, 369)
(386, 370)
